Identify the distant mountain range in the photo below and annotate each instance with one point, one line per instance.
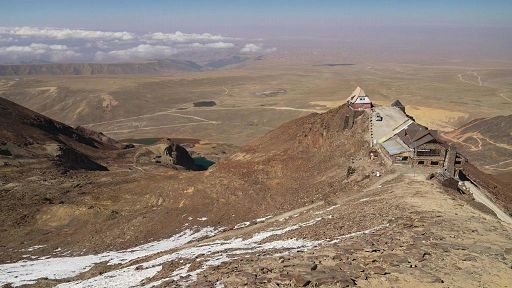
(160, 66)
(149, 67)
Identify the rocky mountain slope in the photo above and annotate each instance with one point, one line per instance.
(300, 206)
(487, 142)
(277, 176)
(26, 135)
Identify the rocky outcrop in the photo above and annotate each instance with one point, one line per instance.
(5, 152)
(180, 157)
(100, 137)
(71, 159)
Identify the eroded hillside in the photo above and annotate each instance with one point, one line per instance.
(487, 142)
(304, 161)
(302, 205)
(401, 231)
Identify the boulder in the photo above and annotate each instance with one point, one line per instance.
(180, 157)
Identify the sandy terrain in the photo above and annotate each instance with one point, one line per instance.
(131, 106)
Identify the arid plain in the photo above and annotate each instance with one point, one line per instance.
(257, 96)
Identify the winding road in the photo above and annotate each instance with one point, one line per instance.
(505, 97)
(172, 111)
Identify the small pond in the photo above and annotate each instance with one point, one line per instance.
(145, 141)
(205, 103)
(202, 162)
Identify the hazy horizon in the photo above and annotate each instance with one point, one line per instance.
(125, 31)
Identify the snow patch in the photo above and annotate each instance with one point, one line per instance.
(214, 253)
(325, 210)
(263, 219)
(27, 272)
(359, 233)
(208, 254)
(126, 277)
(33, 248)
(180, 272)
(242, 225)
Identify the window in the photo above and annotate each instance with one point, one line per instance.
(434, 163)
(401, 158)
(428, 152)
(458, 162)
(421, 162)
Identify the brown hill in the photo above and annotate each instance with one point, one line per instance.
(27, 134)
(301, 161)
(298, 206)
(497, 185)
(306, 160)
(151, 67)
(487, 142)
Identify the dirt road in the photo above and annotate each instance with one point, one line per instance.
(482, 198)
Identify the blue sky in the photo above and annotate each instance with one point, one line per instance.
(248, 16)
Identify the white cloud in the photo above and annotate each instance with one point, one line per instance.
(58, 33)
(40, 44)
(7, 39)
(215, 45)
(37, 51)
(141, 52)
(251, 48)
(184, 37)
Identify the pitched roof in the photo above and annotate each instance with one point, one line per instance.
(395, 145)
(415, 135)
(358, 92)
(397, 103)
